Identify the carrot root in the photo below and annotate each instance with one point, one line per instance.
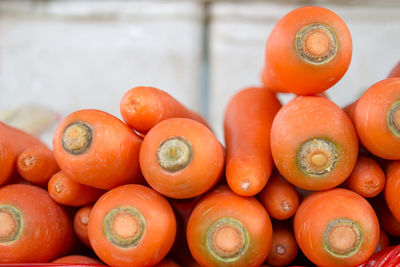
(174, 154)
(77, 138)
(10, 223)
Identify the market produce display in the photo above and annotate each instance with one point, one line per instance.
(307, 183)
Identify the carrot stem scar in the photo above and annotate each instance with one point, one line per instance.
(393, 118)
(77, 138)
(174, 154)
(10, 223)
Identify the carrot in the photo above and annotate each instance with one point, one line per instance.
(377, 119)
(37, 164)
(7, 156)
(279, 198)
(181, 158)
(395, 72)
(386, 219)
(221, 231)
(33, 228)
(367, 177)
(284, 247)
(77, 259)
(131, 225)
(392, 188)
(167, 263)
(143, 107)
(81, 220)
(66, 191)
(336, 228)
(97, 149)
(383, 242)
(246, 175)
(307, 52)
(20, 139)
(314, 144)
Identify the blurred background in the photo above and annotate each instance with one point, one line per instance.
(59, 56)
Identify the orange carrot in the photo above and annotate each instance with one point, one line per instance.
(220, 231)
(143, 107)
(248, 120)
(33, 228)
(81, 220)
(95, 148)
(386, 219)
(307, 52)
(279, 198)
(181, 158)
(7, 156)
(367, 177)
(132, 225)
(284, 247)
(20, 139)
(66, 191)
(37, 164)
(392, 188)
(167, 263)
(77, 259)
(314, 144)
(395, 72)
(336, 228)
(377, 119)
(383, 242)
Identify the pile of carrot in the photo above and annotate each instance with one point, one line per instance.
(300, 184)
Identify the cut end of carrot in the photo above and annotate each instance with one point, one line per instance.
(124, 226)
(58, 187)
(10, 223)
(174, 154)
(317, 156)
(227, 239)
(77, 138)
(342, 237)
(27, 161)
(280, 249)
(316, 43)
(84, 220)
(285, 206)
(393, 118)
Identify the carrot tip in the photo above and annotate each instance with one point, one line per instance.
(245, 185)
(280, 249)
(317, 156)
(342, 237)
(77, 138)
(124, 226)
(174, 154)
(27, 161)
(316, 43)
(227, 239)
(58, 187)
(10, 223)
(285, 206)
(393, 118)
(84, 219)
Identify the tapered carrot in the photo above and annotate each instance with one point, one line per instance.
(7, 156)
(314, 144)
(383, 242)
(167, 263)
(81, 220)
(395, 72)
(386, 219)
(220, 231)
(131, 225)
(392, 188)
(20, 139)
(307, 52)
(367, 177)
(247, 123)
(77, 259)
(284, 247)
(377, 119)
(66, 191)
(279, 198)
(37, 164)
(336, 228)
(95, 148)
(143, 107)
(181, 158)
(33, 228)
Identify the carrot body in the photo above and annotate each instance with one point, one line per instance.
(395, 72)
(336, 228)
(167, 263)
(220, 231)
(143, 107)
(181, 158)
(383, 242)
(33, 228)
(7, 156)
(37, 164)
(95, 148)
(314, 144)
(246, 175)
(377, 119)
(131, 225)
(76, 259)
(307, 52)
(386, 219)
(81, 220)
(367, 177)
(392, 188)
(279, 198)
(284, 247)
(20, 139)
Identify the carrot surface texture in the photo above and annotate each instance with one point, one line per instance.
(143, 107)
(392, 188)
(81, 220)
(376, 116)
(97, 149)
(181, 158)
(220, 231)
(386, 219)
(247, 124)
(77, 259)
(395, 72)
(33, 228)
(132, 225)
(336, 228)
(314, 144)
(284, 247)
(307, 52)
(279, 198)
